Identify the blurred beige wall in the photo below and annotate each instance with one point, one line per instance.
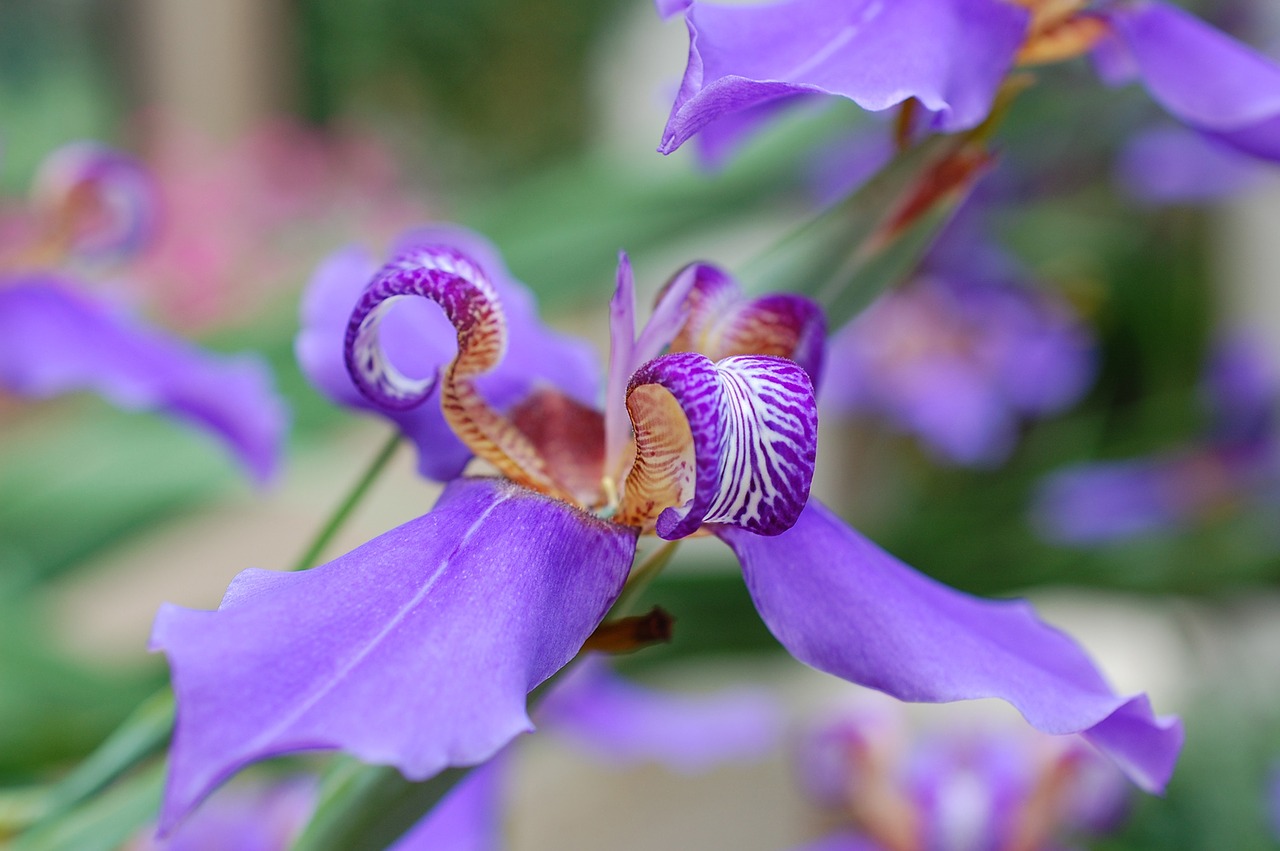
(214, 66)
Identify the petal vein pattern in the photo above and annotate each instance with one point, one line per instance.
(415, 650)
(744, 455)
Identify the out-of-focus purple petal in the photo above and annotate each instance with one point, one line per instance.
(1170, 165)
(748, 459)
(1092, 503)
(103, 200)
(624, 723)
(1271, 802)
(469, 818)
(1240, 388)
(949, 54)
(841, 168)
(457, 614)
(244, 817)
(843, 841)
(958, 413)
(55, 339)
(844, 606)
(670, 8)
(416, 337)
(1203, 77)
(968, 790)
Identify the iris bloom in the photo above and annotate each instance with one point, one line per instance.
(954, 789)
(951, 56)
(92, 205)
(418, 648)
(1237, 462)
(959, 361)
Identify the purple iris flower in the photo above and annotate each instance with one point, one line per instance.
(1236, 461)
(418, 648)
(955, 789)
(959, 361)
(951, 56)
(93, 203)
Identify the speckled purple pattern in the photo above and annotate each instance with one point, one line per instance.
(444, 276)
(755, 436)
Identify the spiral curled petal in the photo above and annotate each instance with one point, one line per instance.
(453, 281)
(732, 442)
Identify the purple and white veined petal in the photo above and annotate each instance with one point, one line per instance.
(732, 442)
(622, 723)
(100, 200)
(469, 818)
(838, 602)
(458, 614)
(54, 339)
(1238, 102)
(418, 340)
(950, 55)
(721, 322)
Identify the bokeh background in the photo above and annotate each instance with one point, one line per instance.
(535, 122)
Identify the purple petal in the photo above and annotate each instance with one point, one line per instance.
(457, 615)
(721, 323)
(1094, 503)
(752, 438)
(104, 199)
(843, 841)
(54, 339)
(469, 818)
(1172, 165)
(624, 723)
(1202, 76)
(951, 55)
(844, 606)
(416, 337)
(244, 816)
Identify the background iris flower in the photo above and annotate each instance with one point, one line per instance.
(462, 612)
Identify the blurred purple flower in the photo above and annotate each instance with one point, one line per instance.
(1172, 165)
(951, 57)
(1236, 461)
(959, 362)
(92, 203)
(248, 816)
(956, 789)
(418, 649)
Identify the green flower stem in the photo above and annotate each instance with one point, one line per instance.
(146, 731)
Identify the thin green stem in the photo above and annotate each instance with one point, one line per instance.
(146, 731)
(641, 577)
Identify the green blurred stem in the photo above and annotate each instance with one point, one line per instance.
(146, 731)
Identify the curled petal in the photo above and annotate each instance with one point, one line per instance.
(55, 339)
(622, 722)
(1205, 78)
(950, 55)
(417, 338)
(731, 442)
(95, 200)
(457, 615)
(722, 323)
(844, 606)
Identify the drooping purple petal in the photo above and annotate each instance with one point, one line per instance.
(469, 818)
(1202, 76)
(842, 605)
(623, 723)
(416, 338)
(1172, 165)
(56, 339)
(949, 54)
(730, 442)
(415, 650)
